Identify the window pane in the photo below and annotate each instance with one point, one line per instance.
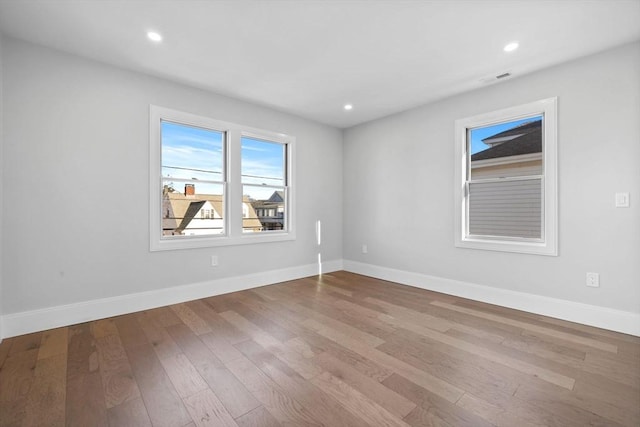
(264, 181)
(267, 211)
(510, 208)
(263, 162)
(190, 152)
(499, 203)
(192, 208)
(506, 149)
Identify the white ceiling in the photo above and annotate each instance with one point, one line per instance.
(309, 58)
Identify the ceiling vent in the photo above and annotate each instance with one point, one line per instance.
(493, 79)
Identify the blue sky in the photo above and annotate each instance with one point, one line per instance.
(478, 134)
(195, 153)
(262, 164)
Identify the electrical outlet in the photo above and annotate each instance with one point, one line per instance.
(365, 249)
(593, 280)
(214, 260)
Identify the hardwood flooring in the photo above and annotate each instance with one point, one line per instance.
(340, 350)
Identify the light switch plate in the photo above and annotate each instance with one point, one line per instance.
(622, 200)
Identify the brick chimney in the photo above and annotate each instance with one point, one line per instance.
(189, 190)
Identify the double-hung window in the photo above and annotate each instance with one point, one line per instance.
(506, 196)
(212, 182)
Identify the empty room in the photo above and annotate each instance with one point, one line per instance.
(319, 213)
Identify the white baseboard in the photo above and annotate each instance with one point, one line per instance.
(70, 314)
(601, 317)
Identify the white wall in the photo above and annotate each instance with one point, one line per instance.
(76, 177)
(399, 191)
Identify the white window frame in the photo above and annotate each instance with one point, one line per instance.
(548, 244)
(233, 197)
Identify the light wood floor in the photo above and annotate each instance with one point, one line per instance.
(346, 350)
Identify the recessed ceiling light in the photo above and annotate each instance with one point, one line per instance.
(348, 107)
(153, 36)
(511, 47)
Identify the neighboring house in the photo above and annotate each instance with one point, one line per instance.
(504, 204)
(270, 212)
(514, 152)
(192, 214)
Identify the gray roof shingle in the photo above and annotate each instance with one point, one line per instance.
(529, 142)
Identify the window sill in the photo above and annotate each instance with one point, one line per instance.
(212, 242)
(523, 247)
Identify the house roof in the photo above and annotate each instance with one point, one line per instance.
(277, 196)
(192, 210)
(523, 128)
(529, 141)
(184, 208)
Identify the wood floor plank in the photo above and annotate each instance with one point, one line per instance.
(46, 400)
(492, 413)
(163, 403)
(456, 367)
(16, 380)
(220, 327)
(117, 378)
(191, 319)
(406, 315)
(320, 405)
(360, 363)
(277, 312)
(524, 367)
(438, 386)
(231, 392)
(299, 345)
(162, 343)
(192, 346)
(394, 403)
(258, 417)
(324, 305)
(183, 375)
(5, 346)
(356, 402)
(272, 328)
(233, 395)
(25, 343)
(85, 400)
(219, 346)
(284, 408)
(544, 348)
(207, 410)
(609, 399)
(355, 333)
(54, 342)
(289, 356)
(163, 316)
(618, 371)
(398, 315)
(118, 383)
(130, 332)
(420, 417)
(563, 404)
(103, 327)
(530, 327)
(441, 408)
(17, 375)
(132, 413)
